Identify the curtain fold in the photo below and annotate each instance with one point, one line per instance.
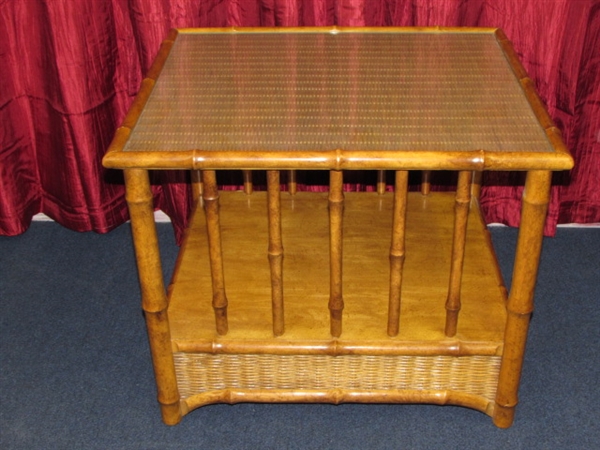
(70, 70)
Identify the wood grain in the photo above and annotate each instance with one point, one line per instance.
(367, 233)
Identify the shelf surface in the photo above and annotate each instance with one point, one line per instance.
(367, 235)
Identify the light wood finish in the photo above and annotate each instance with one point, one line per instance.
(397, 251)
(472, 356)
(154, 296)
(248, 184)
(210, 196)
(336, 213)
(394, 268)
(461, 215)
(520, 301)
(275, 250)
(304, 223)
(426, 182)
(292, 182)
(381, 186)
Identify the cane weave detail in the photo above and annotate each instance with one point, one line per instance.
(348, 91)
(201, 372)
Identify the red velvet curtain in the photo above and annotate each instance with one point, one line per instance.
(69, 70)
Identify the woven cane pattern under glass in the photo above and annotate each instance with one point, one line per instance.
(326, 91)
(201, 372)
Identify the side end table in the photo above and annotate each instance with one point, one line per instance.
(337, 296)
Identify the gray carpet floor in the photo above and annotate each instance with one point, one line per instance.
(75, 369)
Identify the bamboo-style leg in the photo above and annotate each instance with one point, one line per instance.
(275, 250)
(213, 227)
(397, 251)
(154, 297)
(336, 212)
(425, 182)
(248, 186)
(292, 182)
(381, 182)
(520, 301)
(461, 216)
(196, 184)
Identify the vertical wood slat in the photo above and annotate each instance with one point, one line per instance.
(397, 251)
(336, 212)
(211, 208)
(275, 250)
(248, 186)
(154, 297)
(381, 182)
(461, 216)
(292, 182)
(425, 182)
(520, 301)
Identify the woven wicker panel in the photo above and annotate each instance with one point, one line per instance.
(350, 91)
(200, 372)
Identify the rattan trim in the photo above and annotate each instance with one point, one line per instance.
(199, 373)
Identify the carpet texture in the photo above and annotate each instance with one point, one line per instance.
(75, 369)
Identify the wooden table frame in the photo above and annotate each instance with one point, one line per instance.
(155, 299)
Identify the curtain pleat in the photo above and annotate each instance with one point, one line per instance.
(70, 70)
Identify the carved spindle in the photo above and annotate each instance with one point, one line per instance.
(520, 301)
(275, 250)
(461, 216)
(292, 182)
(211, 208)
(397, 251)
(381, 182)
(248, 186)
(426, 182)
(336, 212)
(154, 297)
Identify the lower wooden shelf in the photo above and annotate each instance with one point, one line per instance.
(364, 364)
